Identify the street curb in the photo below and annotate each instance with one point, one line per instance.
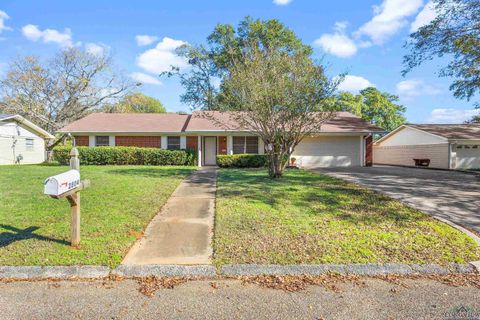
(366, 269)
(165, 271)
(56, 272)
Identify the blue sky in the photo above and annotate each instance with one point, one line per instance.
(363, 38)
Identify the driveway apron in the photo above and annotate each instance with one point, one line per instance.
(181, 233)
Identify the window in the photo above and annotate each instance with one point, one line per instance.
(245, 145)
(29, 144)
(173, 143)
(102, 141)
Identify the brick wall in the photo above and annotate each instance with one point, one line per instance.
(404, 155)
(369, 151)
(81, 141)
(138, 141)
(222, 145)
(192, 143)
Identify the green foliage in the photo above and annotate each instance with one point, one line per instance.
(242, 161)
(136, 103)
(126, 156)
(455, 34)
(373, 106)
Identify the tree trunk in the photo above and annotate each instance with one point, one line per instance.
(275, 165)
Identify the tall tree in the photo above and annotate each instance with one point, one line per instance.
(228, 46)
(373, 106)
(136, 103)
(63, 89)
(455, 35)
(278, 96)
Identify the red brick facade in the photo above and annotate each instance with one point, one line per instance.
(138, 141)
(81, 141)
(192, 143)
(222, 145)
(369, 151)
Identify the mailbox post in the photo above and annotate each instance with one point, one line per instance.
(68, 185)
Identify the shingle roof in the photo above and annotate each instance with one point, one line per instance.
(5, 115)
(451, 131)
(128, 123)
(344, 122)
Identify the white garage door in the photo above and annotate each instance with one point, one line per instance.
(333, 151)
(468, 156)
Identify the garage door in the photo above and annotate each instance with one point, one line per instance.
(334, 151)
(468, 156)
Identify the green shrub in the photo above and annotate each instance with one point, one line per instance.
(242, 161)
(126, 156)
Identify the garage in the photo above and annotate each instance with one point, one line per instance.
(444, 146)
(330, 151)
(468, 156)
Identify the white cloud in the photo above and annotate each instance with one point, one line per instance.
(338, 43)
(424, 17)
(145, 78)
(354, 84)
(388, 19)
(411, 88)
(282, 2)
(450, 115)
(162, 57)
(145, 40)
(33, 33)
(96, 49)
(3, 16)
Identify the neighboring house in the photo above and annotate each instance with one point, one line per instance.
(343, 141)
(448, 146)
(21, 141)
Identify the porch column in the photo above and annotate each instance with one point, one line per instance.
(229, 145)
(199, 151)
(111, 141)
(91, 141)
(163, 142)
(261, 146)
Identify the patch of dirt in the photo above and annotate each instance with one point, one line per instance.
(149, 285)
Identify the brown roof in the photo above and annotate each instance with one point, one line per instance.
(344, 122)
(451, 131)
(128, 123)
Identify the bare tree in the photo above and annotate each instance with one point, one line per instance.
(278, 96)
(63, 89)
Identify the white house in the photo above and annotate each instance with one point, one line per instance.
(21, 141)
(446, 146)
(345, 140)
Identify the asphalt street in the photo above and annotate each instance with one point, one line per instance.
(230, 299)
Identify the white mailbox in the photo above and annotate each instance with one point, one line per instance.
(61, 183)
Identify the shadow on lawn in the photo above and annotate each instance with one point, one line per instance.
(318, 195)
(153, 172)
(16, 234)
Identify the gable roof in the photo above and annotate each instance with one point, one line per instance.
(344, 122)
(451, 131)
(465, 131)
(18, 118)
(128, 123)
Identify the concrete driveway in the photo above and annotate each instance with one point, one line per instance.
(453, 196)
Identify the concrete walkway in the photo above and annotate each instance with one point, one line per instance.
(182, 232)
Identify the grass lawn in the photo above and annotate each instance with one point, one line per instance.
(310, 218)
(35, 229)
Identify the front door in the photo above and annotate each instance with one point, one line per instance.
(210, 151)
